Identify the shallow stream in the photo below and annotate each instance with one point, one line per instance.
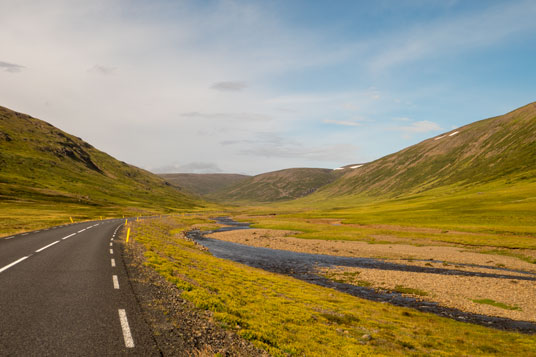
(304, 266)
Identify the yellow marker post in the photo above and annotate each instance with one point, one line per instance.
(71, 218)
(128, 233)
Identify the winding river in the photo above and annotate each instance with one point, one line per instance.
(304, 266)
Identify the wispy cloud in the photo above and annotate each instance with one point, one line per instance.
(11, 67)
(229, 86)
(100, 69)
(192, 167)
(227, 116)
(333, 153)
(343, 122)
(466, 32)
(273, 145)
(424, 126)
(185, 74)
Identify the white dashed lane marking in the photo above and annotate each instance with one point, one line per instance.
(116, 281)
(14, 263)
(69, 236)
(47, 246)
(129, 342)
(111, 244)
(111, 251)
(113, 263)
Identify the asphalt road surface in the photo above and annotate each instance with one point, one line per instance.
(65, 291)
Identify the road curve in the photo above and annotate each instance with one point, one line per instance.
(65, 291)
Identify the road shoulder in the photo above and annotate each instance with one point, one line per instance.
(178, 327)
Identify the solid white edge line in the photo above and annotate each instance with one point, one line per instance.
(127, 336)
(69, 236)
(15, 262)
(80, 231)
(46, 246)
(24, 234)
(113, 263)
(9, 237)
(116, 281)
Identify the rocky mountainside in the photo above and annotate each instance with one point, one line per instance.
(39, 162)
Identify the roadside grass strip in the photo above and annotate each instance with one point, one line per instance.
(289, 317)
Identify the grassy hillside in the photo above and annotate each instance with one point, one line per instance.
(277, 185)
(481, 152)
(203, 184)
(47, 174)
(480, 180)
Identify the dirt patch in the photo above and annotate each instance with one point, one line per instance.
(281, 239)
(178, 327)
(457, 292)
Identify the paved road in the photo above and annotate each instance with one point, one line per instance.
(64, 291)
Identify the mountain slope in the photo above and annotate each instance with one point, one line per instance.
(502, 147)
(40, 163)
(277, 185)
(203, 184)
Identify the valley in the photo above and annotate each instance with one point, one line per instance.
(413, 253)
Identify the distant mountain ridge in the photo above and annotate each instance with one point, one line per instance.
(203, 184)
(41, 163)
(278, 185)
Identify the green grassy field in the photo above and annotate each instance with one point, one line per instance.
(286, 316)
(496, 215)
(47, 176)
(28, 216)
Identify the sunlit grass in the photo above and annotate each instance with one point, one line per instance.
(286, 316)
(494, 214)
(496, 304)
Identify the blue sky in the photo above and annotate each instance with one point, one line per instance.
(255, 86)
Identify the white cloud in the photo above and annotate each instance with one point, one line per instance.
(343, 122)
(454, 34)
(229, 86)
(192, 167)
(329, 153)
(162, 75)
(227, 116)
(424, 126)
